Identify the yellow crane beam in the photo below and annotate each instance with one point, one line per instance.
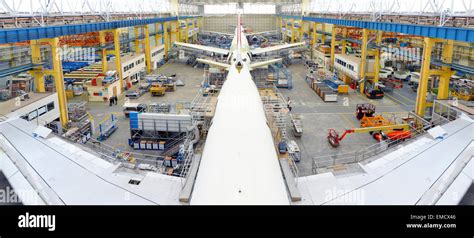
(37, 72)
(447, 57)
(103, 51)
(147, 48)
(378, 40)
(157, 36)
(344, 42)
(424, 77)
(187, 31)
(362, 70)
(57, 73)
(323, 36)
(118, 58)
(293, 30)
(333, 45)
(166, 39)
(136, 31)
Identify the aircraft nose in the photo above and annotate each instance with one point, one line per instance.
(239, 66)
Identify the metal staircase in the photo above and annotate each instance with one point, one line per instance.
(276, 113)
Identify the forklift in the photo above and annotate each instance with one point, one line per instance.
(157, 89)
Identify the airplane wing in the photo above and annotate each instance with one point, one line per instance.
(213, 63)
(217, 33)
(264, 63)
(194, 47)
(262, 33)
(259, 51)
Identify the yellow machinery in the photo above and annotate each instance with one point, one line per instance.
(463, 96)
(343, 89)
(374, 121)
(399, 132)
(366, 114)
(157, 89)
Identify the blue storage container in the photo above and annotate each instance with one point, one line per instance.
(134, 120)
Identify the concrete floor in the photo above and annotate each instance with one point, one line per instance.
(319, 116)
(101, 111)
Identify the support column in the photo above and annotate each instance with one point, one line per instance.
(147, 49)
(187, 31)
(333, 45)
(166, 38)
(194, 38)
(344, 41)
(323, 35)
(313, 38)
(282, 34)
(424, 77)
(292, 30)
(301, 31)
(57, 73)
(37, 72)
(277, 22)
(443, 89)
(118, 58)
(105, 65)
(157, 32)
(363, 62)
(136, 31)
(177, 31)
(378, 40)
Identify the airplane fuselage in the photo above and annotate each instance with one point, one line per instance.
(239, 162)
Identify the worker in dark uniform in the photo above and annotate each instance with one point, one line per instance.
(111, 101)
(289, 104)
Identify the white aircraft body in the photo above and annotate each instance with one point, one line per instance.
(239, 162)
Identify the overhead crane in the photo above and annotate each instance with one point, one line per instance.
(431, 35)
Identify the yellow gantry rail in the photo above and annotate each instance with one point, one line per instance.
(444, 73)
(105, 65)
(378, 40)
(363, 56)
(333, 45)
(37, 73)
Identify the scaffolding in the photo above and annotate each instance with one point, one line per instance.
(80, 128)
(276, 111)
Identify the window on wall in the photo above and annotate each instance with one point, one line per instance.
(257, 8)
(229, 8)
(50, 106)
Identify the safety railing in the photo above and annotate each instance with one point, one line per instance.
(442, 114)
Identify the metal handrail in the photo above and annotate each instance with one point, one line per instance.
(373, 150)
(419, 129)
